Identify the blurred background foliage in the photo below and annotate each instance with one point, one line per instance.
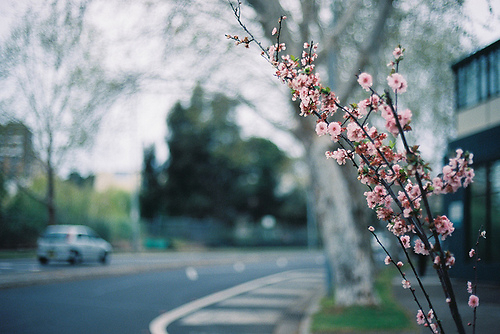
(214, 174)
(23, 217)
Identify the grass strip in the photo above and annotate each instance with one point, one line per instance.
(388, 316)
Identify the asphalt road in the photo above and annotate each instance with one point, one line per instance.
(156, 285)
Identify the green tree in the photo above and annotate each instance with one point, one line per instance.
(53, 81)
(262, 164)
(150, 197)
(211, 171)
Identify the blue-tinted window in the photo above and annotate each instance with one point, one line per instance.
(478, 78)
(484, 211)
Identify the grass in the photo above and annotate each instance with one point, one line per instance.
(388, 316)
(19, 254)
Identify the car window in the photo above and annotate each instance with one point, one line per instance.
(55, 236)
(92, 235)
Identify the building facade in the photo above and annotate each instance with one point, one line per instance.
(477, 86)
(16, 151)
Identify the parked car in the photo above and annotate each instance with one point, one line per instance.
(72, 243)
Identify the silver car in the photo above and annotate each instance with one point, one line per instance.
(72, 243)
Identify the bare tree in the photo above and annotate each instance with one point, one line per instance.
(53, 81)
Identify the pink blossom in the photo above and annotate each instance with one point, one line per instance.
(365, 81)
(399, 264)
(437, 260)
(397, 53)
(405, 117)
(334, 129)
(473, 301)
(420, 248)
(405, 240)
(397, 82)
(469, 287)
(472, 252)
(420, 317)
(387, 260)
(450, 261)
(376, 196)
(443, 226)
(340, 155)
(321, 128)
(430, 315)
(483, 234)
(363, 107)
(406, 284)
(437, 184)
(274, 31)
(371, 229)
(354, 132)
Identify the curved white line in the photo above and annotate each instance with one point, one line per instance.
(160, 323)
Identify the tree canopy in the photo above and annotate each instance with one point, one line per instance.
(212, 172)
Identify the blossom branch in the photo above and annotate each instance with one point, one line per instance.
(400, 180)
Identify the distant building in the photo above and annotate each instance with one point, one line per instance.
(128, 182)
(477, 84)
(16, 151)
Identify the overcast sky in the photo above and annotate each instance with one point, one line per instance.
(121, 149)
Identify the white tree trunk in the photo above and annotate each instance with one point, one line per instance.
(342, 217)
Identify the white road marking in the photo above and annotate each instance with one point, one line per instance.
(280, 291)
(231, 317)
(282, 262)
(160, 323)
(239, 267)
(191, 273)
(256, 301)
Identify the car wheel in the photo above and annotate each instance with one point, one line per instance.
(75, 257)
(43, 260)
(104, 258)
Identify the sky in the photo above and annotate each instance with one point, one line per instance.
(140, 122)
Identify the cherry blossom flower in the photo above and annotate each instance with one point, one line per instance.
(397, 82)
(340, 155)
(397, 53)
(354, 132)
(406, 284)
(365, 80)
(274, 31)
(420, 317)
(371, 228)
(405, 240)
(443, 226)
(450, 261)
(321, 128)
(399, 264)
(472, 252)
(420, 248)
(469, 287)
(473, 301)
(430, 315)
(387, 260)
(334, 129)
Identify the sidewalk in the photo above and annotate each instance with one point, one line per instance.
(488, 312)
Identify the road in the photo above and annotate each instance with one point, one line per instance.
(214, 292)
